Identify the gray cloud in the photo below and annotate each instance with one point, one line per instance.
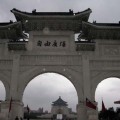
(103, 11)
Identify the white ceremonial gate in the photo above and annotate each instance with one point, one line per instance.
(51, 47)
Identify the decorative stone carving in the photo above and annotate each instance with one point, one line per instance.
(46, 30)
(108, 64)
(6, 64)
(111, 50)
(50, 60)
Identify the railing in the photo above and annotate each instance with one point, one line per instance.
(85, 46)
(17, 45)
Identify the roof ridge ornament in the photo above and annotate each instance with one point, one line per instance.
(70, 11)
(94, 21)
(46, 30)
(34, 11)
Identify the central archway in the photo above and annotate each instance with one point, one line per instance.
(67, 71)
(46, 88)
(70, 74)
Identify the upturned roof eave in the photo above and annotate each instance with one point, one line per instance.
(55, 104)
(12, 29)
(10, 25)
(85, 12)
(91, 25)
(60, 102)
(100, 30)
(30, 16)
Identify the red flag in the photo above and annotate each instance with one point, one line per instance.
(90, 104)
(117, 102)
(28, 109)
(10, 106)
(103, 106)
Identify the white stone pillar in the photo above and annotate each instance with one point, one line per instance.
(16, 110)
(92, 113)
(81, 111)
(4, 110)
(17, 105)
(14, 77)
(86, 77)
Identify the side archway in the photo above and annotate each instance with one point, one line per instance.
(107, 90)
(99, 77)
(6, 84)
(2, 92)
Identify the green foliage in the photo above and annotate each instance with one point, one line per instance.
(109, 114)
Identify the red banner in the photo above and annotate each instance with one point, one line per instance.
(90, 104)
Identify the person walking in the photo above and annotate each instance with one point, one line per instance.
(16, 118)
(21, 118)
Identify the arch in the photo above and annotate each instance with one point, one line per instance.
(4, 80)
(2, 90)
(52, 85)
(64, 71)
(108, 92)
(100, 76)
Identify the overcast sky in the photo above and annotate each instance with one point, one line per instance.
(102, 11)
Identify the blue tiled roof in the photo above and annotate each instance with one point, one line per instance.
(60, 102)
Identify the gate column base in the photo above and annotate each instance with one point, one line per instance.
(16, 110)
(92, 114)
(81, 112)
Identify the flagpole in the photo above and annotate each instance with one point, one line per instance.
(28, 109)
(10, 106)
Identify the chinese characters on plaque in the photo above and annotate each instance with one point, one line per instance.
(51, 43)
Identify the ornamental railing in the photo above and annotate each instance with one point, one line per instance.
(17, 45)
(85, 46)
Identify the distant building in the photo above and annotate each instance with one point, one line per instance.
(40, 110)
(60, 110)
(60, 107)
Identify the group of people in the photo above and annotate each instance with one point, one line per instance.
(17, 118)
